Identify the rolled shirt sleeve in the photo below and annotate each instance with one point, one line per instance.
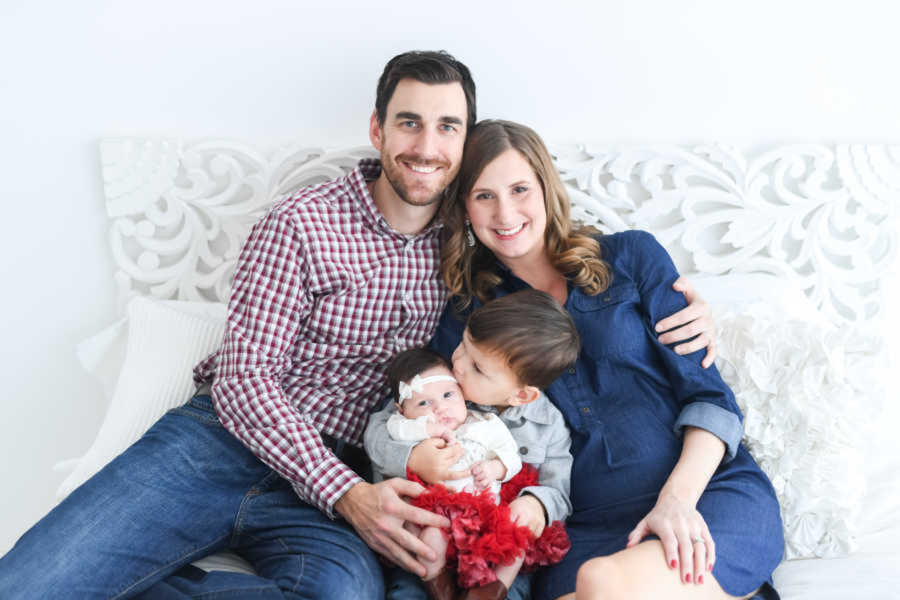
(708, 402)
(268, 306)
(722, 423)
(319, 305)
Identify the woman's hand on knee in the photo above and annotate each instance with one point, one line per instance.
(684, 535)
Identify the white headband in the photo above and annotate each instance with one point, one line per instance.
(417, 384)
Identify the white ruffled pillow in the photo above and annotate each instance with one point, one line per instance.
(809, 391)
(165, 339)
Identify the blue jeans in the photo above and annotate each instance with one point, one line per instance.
(402, 585)
(186, 489)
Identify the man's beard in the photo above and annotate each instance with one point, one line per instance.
(392, 172)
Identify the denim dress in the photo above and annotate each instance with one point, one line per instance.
(626, 402)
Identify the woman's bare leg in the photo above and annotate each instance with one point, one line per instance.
(641, 572)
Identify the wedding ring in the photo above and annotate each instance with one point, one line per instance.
(697, 540)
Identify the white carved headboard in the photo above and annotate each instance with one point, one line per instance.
(823, 215)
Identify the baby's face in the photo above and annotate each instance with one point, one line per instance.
(442, 400)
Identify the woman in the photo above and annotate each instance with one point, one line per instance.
(666, 501)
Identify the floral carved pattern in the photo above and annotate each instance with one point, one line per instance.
(180, 212)
(823, 215)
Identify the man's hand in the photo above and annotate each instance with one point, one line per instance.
(527, 510)
(693, 320)
(486, 472)
(377, 513)
(431, 460)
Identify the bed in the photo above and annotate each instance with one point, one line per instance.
(790, 246)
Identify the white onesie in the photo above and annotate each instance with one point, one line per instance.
(483, 436)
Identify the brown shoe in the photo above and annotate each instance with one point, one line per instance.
(495, 590)
(442, 586)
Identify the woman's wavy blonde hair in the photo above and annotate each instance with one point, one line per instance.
(468, 271)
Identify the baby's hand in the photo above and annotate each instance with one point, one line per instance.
(436, 430)
(486, 472)
(440, 431)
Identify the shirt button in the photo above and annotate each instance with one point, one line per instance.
(606, 299)
(571, 370)
(523, 450)
(586, 410)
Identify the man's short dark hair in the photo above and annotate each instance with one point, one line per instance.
(531, 331)
(410, 363)
(427, 67)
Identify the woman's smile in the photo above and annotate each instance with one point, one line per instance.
(506, 208)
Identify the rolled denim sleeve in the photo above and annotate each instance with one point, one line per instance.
(722, 423)
(707, 400)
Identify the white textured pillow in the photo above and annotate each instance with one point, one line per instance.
(809, 392)
(165, 340)
(727, 292)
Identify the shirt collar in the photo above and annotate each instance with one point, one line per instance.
(510, 279)
(538, 411)
(369, 169)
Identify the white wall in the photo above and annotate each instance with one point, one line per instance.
(272, 71)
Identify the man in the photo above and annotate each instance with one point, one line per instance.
(331, 283)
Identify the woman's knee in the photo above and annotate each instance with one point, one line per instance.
(598, 578)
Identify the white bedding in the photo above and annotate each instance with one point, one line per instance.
(873, 571)
(769, 214)
(869, 572)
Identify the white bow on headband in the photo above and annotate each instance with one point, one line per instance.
(417, 384)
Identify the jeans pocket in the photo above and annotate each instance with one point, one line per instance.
(199, 408)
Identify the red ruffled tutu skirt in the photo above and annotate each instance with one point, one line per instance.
(482, 536)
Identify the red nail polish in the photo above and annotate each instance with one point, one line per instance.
(709, 568)
(674, 563)
(687, 577)
(699, 578)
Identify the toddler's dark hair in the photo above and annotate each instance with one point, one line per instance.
(535, 335)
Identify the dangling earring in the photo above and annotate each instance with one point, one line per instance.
(470, 237)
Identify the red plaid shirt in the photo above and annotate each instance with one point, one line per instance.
(325, 293)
